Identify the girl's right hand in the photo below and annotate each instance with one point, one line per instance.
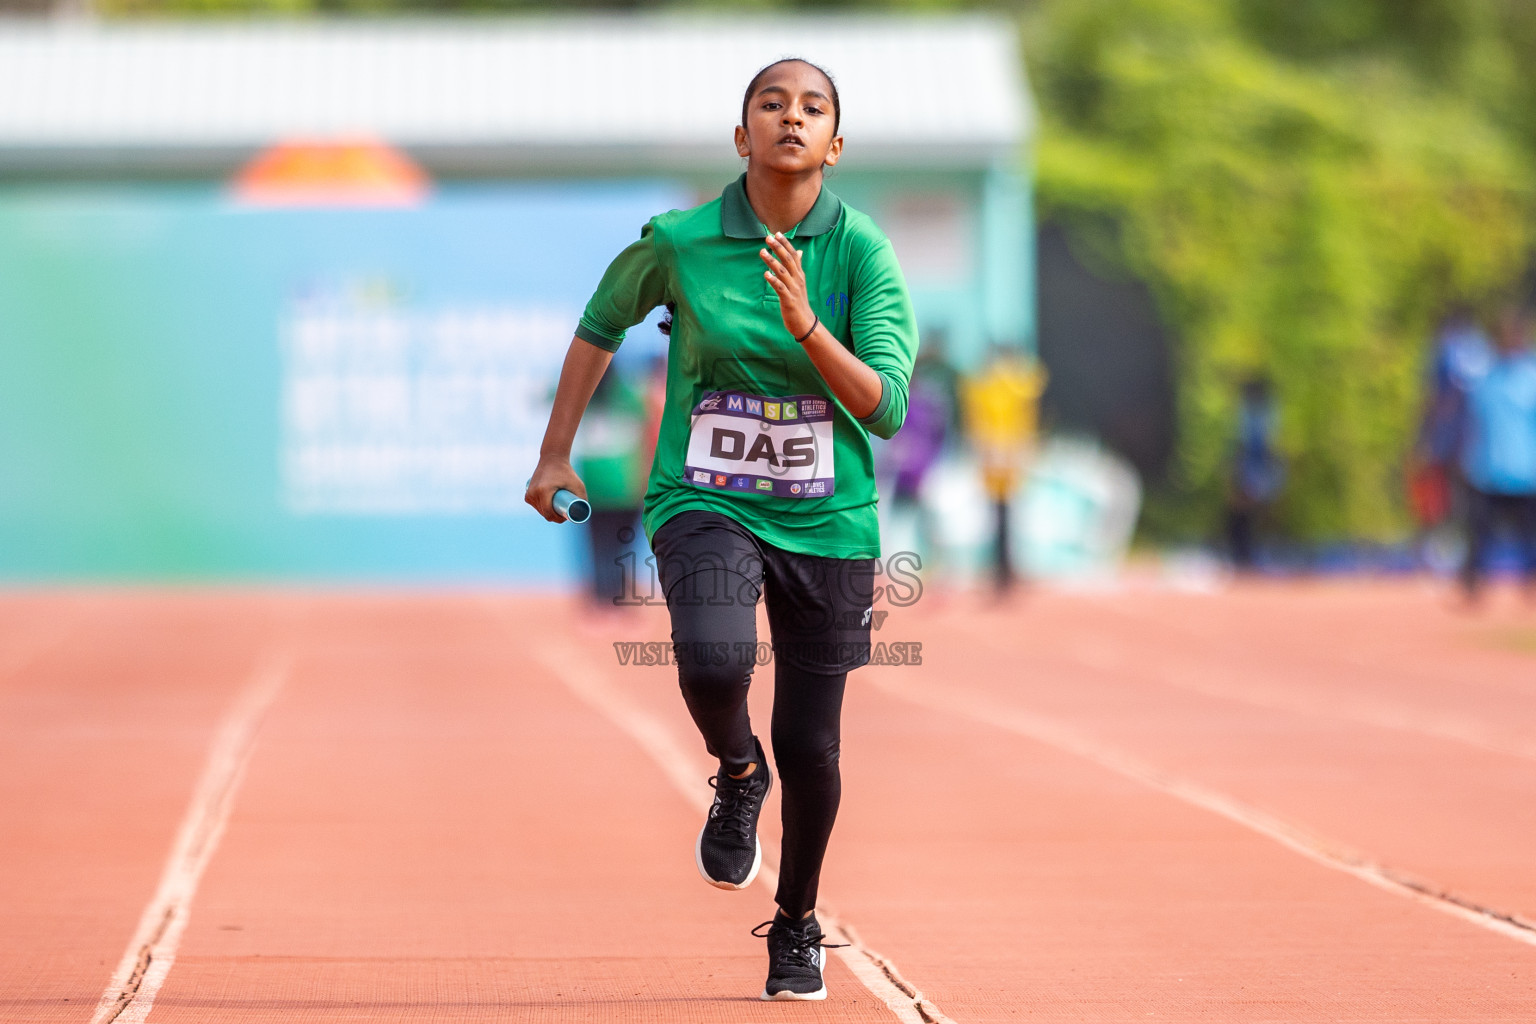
(552, 473)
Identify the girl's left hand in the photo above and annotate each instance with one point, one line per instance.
(786, 274)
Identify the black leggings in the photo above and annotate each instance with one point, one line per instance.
(713, 572)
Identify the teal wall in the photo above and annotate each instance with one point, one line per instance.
(148, 388)
(190, 389)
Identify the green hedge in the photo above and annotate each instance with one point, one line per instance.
(1305, 218)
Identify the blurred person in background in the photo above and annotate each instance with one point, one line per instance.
(654, 394)
(1497, 446)
(912, 453)
(1257, 472)
(1460, 355)
(940, 378)
(1001, 411)
(613, 459)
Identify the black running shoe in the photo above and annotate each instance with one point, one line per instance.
(796, 956)
(727, 852)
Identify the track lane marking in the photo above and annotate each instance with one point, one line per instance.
(1366, 709)
(1360, 709)
(1337, 856)
(151, 952)
(684, 770)
(1352, 708)
(1349, 655)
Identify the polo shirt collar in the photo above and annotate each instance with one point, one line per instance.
(738, 220)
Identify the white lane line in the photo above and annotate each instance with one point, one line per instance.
(1339, 706)
(1325, 852)
(1344, 707)
(152, 950)
(1366, 709)
(686, 771)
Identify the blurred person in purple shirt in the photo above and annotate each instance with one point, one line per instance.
(1497, 448)
(918, 445)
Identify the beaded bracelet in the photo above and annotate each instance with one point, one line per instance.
(816, 322)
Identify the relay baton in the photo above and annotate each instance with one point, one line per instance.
(577, 510)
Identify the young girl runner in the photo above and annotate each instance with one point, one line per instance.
(792, 340)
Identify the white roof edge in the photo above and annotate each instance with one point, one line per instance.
(519, 89)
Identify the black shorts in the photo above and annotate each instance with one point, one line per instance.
(819, 608)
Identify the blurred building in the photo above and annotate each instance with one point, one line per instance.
(289, 298)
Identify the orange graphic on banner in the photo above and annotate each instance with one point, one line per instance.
(348, 172)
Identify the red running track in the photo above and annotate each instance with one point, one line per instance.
(1304, 802)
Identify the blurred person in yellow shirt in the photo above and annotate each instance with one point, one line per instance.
(1001, 409)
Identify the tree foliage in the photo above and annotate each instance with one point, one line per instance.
(1306, 184)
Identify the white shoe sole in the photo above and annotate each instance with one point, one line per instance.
(807, 997)
(698, 861)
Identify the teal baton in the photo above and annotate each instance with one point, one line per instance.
(577, 510)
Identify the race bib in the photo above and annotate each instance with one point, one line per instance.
(752, 444)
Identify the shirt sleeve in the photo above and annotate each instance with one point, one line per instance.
(634, 284)
(884, 331)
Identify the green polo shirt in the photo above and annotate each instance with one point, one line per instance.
(728, 337)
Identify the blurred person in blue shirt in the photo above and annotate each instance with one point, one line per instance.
(1460, 355)
(1257, 472)
(1497, 447)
